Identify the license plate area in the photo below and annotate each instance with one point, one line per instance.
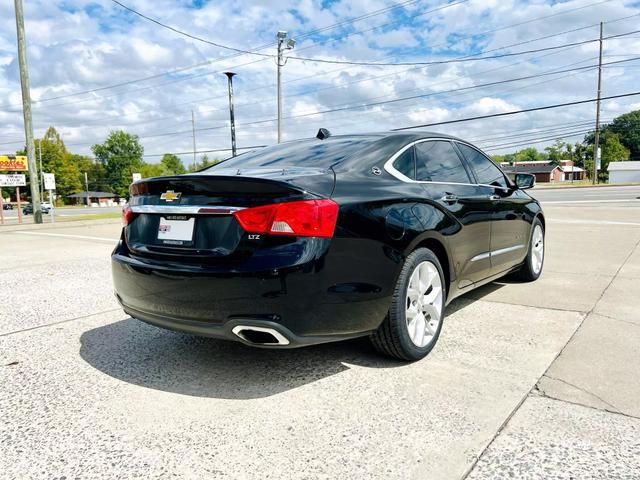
(176, 230)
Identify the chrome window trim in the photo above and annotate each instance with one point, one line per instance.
(495, 253)
(390, 169)
(186, 209)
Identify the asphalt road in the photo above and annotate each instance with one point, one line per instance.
(12, 215)
(587, 195)
(532, 380)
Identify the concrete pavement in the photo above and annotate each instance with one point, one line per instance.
(524, 380)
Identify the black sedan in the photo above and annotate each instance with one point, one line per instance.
(326, 239)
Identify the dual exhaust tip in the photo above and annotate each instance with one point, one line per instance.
(260, 335)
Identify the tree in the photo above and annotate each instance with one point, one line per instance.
(611, 148)
(557, 152)
(529, 154)
(96, 174)
(57, 160)
(506, 158)
(173, 164)
(121, 155)
(627, 127)
(149, 170)
(204, 163)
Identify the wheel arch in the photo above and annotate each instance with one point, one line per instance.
(540, 216)
(438, 247)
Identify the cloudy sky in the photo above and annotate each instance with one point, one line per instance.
(96, 67)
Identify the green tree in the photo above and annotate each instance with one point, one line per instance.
(57, 160)
(149, 170)
(121, 155)
(611, 148)
(529, 154)
(627, 127)
(558, 151)
(506, 158)
(173, 164)
(96, 174)
(203, 163)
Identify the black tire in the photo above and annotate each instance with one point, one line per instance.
(527, 272)
(392, 337)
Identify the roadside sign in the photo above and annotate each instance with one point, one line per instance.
(136, 176)
(13, 180)
(49, 181)
(599, 159)
(14, 163)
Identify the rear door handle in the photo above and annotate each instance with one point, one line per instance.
(449, 199)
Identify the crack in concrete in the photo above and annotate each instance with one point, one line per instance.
(535, 386)
(591, 407)
(584, 390)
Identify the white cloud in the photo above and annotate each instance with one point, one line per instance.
(75, 46)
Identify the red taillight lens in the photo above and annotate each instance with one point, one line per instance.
(305, 218)
(127, 215)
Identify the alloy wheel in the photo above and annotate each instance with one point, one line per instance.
(537, 249)
(424, 304)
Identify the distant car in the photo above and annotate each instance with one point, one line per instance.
(46, 205)
(28, 209)
(320, 240)
(7, 206)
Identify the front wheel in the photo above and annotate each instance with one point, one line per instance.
(413, 324)
(532, 267)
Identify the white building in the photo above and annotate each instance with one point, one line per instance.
(624, 172)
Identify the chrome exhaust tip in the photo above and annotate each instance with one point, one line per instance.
(260, 335)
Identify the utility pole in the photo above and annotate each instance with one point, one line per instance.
(233, 121)
(41, 170)
(193, 131)
(596, 143)
(26, 111)
(86, 188)
(290, 43)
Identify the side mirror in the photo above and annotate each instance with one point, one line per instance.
(525, 181)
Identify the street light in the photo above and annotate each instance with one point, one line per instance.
(233, 122)
(284, 43)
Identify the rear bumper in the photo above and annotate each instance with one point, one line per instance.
(226, 330)
(308, 302)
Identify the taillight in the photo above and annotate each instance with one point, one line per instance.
(127, 215)
(305, 218)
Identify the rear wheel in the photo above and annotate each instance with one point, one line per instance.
(413, 324)
(532, 267)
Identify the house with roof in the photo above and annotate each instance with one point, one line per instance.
(546, 171)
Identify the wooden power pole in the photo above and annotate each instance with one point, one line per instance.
(596, 143)
(34, 182)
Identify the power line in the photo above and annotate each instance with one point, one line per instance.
(515, 112)
(458, 60)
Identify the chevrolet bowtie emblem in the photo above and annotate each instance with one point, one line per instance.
(170, 196)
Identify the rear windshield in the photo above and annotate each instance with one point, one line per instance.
(304, 153)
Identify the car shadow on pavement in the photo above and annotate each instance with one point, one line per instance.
(137, 353)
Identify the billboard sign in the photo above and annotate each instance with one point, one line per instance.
(14, 163)
(13, 180)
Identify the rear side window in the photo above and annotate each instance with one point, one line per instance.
(437, 161)
(486, 171)
(405, 164)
